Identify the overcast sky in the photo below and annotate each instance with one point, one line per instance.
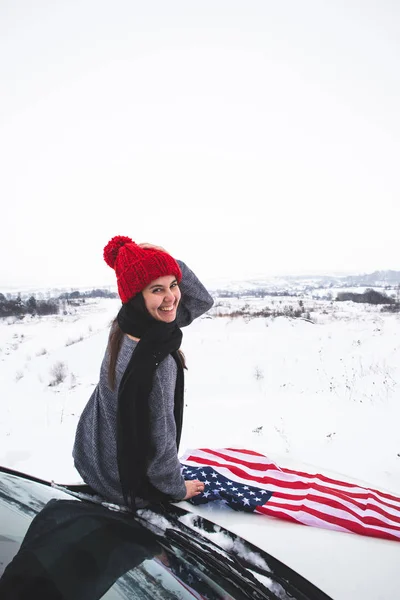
(246, 137)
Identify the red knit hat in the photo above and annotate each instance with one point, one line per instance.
(136, 267)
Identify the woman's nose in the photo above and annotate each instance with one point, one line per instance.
(169, 296)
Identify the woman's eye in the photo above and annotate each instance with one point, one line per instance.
(156, 290)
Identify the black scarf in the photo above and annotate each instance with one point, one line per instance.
(134, 448)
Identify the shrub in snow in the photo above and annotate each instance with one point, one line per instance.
(369, 296)
(18, 375)
(247, 313)
(58, 372)
(70, 341)
(41, 352)
(258, 429)
(391, 308)
(15, 306)
(49, 307)
(258, 374)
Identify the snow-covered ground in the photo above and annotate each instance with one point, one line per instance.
(322, 391)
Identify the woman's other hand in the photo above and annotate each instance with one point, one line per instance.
(194, 487)
(152, 247)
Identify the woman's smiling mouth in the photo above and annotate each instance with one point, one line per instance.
(167, 308)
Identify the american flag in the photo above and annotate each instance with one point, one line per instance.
(249, 481)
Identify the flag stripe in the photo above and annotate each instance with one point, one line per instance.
(248, 452)
(256, 465)
(253, 468)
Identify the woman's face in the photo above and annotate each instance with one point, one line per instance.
(161, 298)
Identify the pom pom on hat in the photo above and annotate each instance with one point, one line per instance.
(111, 250)
(136, 267)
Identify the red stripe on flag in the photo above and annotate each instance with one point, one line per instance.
(242, 451)
(239, 461)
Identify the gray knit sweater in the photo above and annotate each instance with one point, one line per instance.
(95, 448)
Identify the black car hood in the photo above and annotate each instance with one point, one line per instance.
(53, 546)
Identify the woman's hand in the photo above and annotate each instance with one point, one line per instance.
(194, 487)
(152, 247)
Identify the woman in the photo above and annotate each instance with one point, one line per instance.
(127, 439)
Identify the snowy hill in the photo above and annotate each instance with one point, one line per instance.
(375, 279)
(308, 283)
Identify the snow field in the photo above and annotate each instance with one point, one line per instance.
(324, 393)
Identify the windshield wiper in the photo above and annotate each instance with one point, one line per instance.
(230, 569)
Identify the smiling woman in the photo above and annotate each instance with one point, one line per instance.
(126, 444)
